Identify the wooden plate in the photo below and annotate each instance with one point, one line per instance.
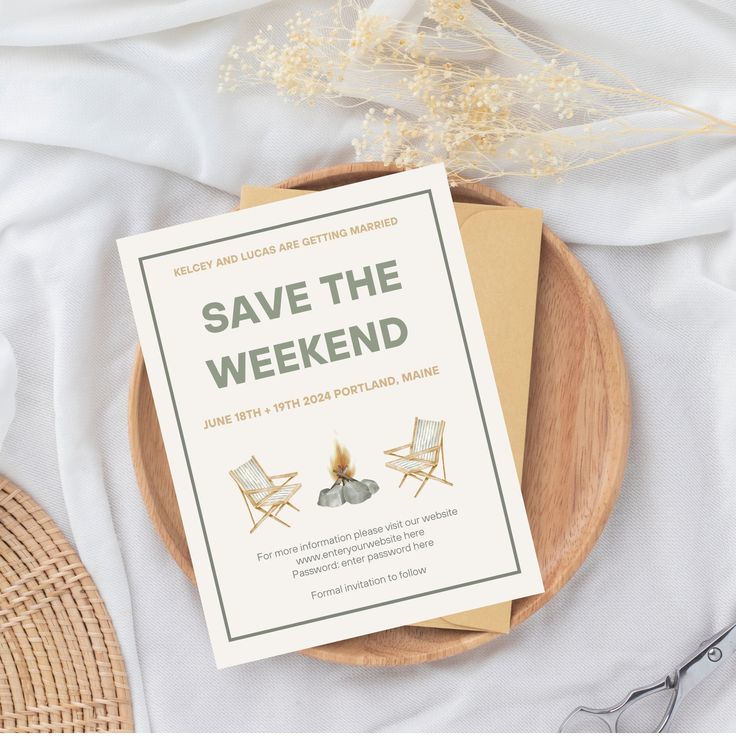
(577, 439)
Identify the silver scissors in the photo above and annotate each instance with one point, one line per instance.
(675, 687)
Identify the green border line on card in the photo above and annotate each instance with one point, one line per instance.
(141, 260)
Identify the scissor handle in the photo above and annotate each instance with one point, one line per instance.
(604, 715)
(610, 716)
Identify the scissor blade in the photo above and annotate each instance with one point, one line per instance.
(710, 654)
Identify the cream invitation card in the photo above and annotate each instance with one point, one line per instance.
(330, 416)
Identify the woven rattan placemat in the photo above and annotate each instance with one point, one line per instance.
(60, 663)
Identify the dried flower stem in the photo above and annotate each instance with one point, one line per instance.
(465, 87)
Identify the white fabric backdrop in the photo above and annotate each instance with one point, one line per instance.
(111, 126)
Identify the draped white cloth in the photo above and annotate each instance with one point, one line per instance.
(110, 126)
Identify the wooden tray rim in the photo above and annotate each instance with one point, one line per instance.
(615, 451)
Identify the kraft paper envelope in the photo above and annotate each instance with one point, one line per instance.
(502, 246)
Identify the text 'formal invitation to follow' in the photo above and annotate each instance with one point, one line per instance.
(330, 416)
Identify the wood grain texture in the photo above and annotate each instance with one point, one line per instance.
(577, 439)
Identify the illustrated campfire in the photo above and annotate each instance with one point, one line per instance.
(346, 488)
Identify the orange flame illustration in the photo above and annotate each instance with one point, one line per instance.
(340, 463)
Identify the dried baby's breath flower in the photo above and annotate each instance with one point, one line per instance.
(448, 14)
(463, 87)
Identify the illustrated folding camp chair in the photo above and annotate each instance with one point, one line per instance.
(420, 458)
(262, 494)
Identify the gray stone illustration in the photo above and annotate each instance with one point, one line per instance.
(349, 490)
